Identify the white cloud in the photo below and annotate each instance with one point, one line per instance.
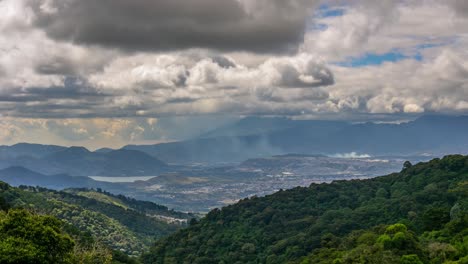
(194, 85)
(42, 77)
(351, 155)
(408, 86)
(385, 26)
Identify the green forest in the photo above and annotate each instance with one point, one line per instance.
(419, 215)
(114, 221)
(416, 216)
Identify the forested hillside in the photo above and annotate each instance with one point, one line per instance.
(118, 222)
(419, 215)
(26, 238)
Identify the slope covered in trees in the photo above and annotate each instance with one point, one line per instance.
(30, 238)
(118, 222)
(416, 216)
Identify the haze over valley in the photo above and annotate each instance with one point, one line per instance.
(252, 156)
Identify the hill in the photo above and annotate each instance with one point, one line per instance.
(419, 215)
(119, 222)
(27, 149)
(21, 176)
(79, 161)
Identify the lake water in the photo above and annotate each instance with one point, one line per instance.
(121, 179)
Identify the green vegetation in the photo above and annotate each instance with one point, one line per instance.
(145, 207)
(419, 215)
(94, 227)
(28, 238)
(120, 223)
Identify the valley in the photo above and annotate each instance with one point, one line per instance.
(233, 132)
(201, 187)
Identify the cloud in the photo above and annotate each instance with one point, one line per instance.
(105, 132)
(349, 33)
(351, 155)
(460, 6)
(385, 26)
(161, 25)
(407, 86)
(156, 60)
(203, 85)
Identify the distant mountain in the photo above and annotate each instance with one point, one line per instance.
(79, 161)
(27, 149)
(103, 150)
(21, 176)
(211, 150)
(259, 137)
(251, 126)
(416, 216)
(252, 137)
(427, 134)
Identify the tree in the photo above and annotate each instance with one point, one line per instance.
(410, 259)
(28, 238)
(3, 204)
(407, 165)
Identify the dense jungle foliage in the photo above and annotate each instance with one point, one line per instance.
(419, 215)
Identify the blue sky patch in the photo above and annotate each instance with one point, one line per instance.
(322, 12)
(377, 59)
(318, 26)
(327, 11)
(332, 13)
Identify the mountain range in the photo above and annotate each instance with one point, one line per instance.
(79, 161)
(251, 137)
(254, 137)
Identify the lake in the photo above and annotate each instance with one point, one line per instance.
(121, 179)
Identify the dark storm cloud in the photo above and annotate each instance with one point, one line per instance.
(322, 75)
(73, 98)
(460, 6)
(261, 26)
(181, 100)
(223, 62)
(57, 66)
(43, 94)
(2, 72)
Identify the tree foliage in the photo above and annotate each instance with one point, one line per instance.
(417, 215)
(119, 222)
(30, 238)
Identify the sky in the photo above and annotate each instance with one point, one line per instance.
(114, 72)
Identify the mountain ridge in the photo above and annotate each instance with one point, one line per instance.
(79, 161)
(432, 134)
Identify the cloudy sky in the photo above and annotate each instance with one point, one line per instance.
(112, 72)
